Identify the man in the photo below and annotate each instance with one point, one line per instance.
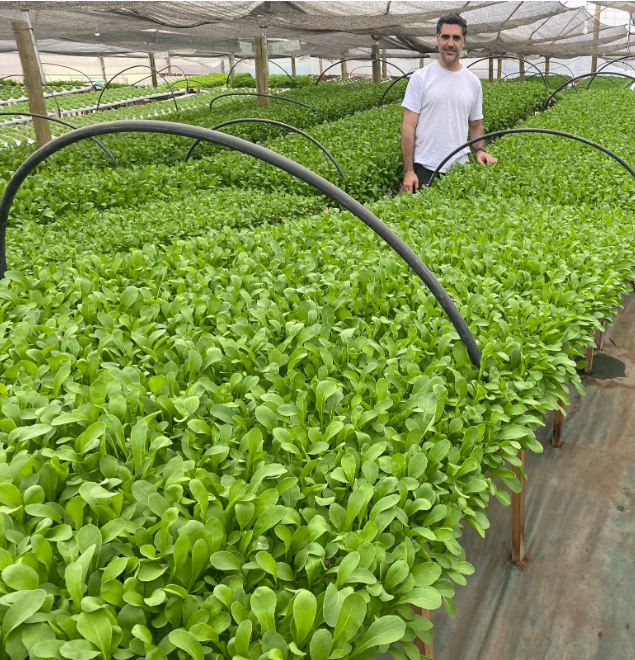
(442, 102)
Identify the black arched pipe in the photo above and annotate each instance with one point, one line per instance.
(580, 77)
(510, 57)
(608, 63)
(610, 74)
(557, 64)
(269, 96)
(170, 66)
(52, 94)
(392, 84)
(256, 151)
(357, 59)
(544, 131)
(64, 123)
(138, 66)
(274, 123)
(70, 68)
(246, 59)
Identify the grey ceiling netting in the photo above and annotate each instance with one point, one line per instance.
(328, 29)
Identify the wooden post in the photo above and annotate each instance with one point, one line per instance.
(321, 66)
(521, 65)
(384, 65)
(222, 65)
(168, 64)
(558, 421)
(547, 61)
(426, 649)
(344, 71)
(374, 53)
(490, 76)
(232, 61)
(589, 360)
(596, 37)
(518, 520)
(262, 71)
(500, 68)
(153, 73)
(102, 64)
(32, 81)
(421, 62)
(293, 73)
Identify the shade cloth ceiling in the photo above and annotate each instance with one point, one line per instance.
(328, 29)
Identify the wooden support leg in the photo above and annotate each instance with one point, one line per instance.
(518, 520)
(589, 360)
(425, 648)
(558, 421)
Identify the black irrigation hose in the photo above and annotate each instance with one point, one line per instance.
(269, 96)
(394, 82)
(584, 75)
(535, 75)
(170, 66)
(356, 59)
(70, 68)
(609, 74)
(545, 131)
(552, 65)
(256, 151)
(52, 94)
(64, 123)
(509, 57)
(246, 59)
(138, 66)
(275, 123)
(609, 62)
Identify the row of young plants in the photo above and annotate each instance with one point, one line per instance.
(362, 143)
(262, 443)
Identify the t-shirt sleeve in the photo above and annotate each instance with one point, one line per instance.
(414, 95)
(477, 108)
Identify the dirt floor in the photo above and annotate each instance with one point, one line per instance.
(576, 598)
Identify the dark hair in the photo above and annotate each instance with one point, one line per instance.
(452, 19)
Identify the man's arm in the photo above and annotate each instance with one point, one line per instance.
(408, 128)
(476, 131)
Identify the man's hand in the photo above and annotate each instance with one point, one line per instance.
(484, 158)
(410, 182)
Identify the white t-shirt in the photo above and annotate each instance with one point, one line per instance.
(445, 101)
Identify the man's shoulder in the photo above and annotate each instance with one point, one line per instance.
(472, 77)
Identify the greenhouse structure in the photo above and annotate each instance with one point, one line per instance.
(318, 330)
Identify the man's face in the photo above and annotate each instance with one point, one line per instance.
(450, 43)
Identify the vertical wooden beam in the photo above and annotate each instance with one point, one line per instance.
(518, 520)
(153, 73)
(262, 69)
(232, 61)
(102, 65)
(500, 68)
(521, 66)
(168, 64)
(344, 71)
(293, 73)
(376, 63)
(558, 422)
(596, 37)
(589, 360)
(222, 65)
(547, 62)
(425, 648)
(384, 65)
(490, 75)
(321, 63)
(32, 81)
(421, 62)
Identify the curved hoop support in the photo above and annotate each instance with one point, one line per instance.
(275, 123)
(63, 123)
(256, 151)
(545, 105)
(246, 59)
(357, 59)
(70, 68)
(392, 84)
(138, 66)
(510, 57)
(608, 63)
(535, 75)
(609, 74)
(544, 131)
(269, 96)
(171, 66)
